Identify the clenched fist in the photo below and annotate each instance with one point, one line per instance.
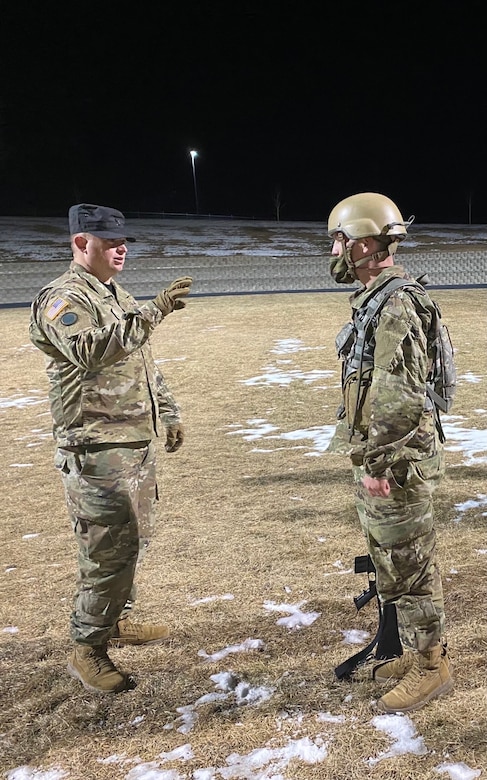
(174, 437)
(170, 298)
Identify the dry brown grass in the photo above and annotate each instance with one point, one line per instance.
(231, 521)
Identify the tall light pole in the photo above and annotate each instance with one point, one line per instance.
(194, 154)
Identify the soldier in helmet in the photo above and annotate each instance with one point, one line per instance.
(386, 424)
(108, 402)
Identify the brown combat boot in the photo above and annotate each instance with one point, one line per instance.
(428, 678)
(397, 668)
(393, 668)
(383, 671)
(92, 667)
(129, 633)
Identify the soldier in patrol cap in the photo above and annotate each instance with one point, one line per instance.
(108, 402)
(387, 427)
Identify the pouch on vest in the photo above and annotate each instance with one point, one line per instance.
(357, 400)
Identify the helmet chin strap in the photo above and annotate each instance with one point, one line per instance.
(348, 272)
(347, 256)
(376, 257)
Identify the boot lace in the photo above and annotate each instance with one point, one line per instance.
(411, 681)
(402, 664)
(393, 667)
(100, 661)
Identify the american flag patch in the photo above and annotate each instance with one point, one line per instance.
(56, 308)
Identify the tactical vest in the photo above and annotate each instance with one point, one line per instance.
(355, 345)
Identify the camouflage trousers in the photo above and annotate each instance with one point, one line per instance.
(401, 542)
(110, 495)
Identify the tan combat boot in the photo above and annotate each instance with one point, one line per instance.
(428, 678)
(397, 668)
(393, 668)
(92, 667)
(129, 633)
(383, 671)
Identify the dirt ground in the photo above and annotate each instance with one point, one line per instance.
(245, 520)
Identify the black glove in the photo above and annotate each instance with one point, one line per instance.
(169, 299)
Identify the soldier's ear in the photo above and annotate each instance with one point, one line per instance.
(80, 241)
(365, 245)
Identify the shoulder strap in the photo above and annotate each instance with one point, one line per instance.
(380, 296)
(372, 306)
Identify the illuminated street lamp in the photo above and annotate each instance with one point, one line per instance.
(194, 154)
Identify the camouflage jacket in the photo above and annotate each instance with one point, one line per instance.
(104, 384)
(391, 418)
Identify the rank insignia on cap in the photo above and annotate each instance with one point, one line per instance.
(56, 308)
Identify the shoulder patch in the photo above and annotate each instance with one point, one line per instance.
(69, 318)
(56, 308)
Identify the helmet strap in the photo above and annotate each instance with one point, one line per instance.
(376, 257)
(347, 255)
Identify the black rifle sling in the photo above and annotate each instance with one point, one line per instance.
(346, 668)
(387, 636)
(386, 639)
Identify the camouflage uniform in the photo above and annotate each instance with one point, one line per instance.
(108, 401)
(395, 437)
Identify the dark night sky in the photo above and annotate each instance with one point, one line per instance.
(102, 102)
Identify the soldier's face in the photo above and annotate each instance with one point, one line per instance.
(104, 257)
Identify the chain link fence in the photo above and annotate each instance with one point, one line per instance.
(242, 274)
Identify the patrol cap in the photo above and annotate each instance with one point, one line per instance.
(101, 221)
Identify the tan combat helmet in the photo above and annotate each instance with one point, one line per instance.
(368, 214)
